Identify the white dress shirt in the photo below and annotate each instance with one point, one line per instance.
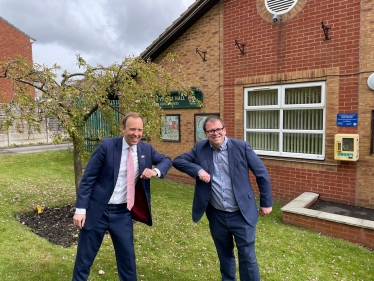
(119, 195)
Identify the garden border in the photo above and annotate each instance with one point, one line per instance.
(358, 231)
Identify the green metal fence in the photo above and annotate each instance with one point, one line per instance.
(98, 126)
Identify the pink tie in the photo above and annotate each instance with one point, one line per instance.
(130, 180)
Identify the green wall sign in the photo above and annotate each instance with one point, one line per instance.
(180, 100)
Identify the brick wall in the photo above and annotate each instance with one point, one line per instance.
(206, 35)
(365, 173)
(12, 43)
(357, 235)
(295, 45)
(290, 51)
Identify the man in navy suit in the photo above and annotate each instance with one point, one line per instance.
(223, 191)
(102, 198)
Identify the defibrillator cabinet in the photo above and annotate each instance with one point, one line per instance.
(346, 147)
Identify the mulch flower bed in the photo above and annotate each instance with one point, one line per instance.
(54, 224)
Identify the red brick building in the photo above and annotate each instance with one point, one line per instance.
(284, 75)
(13, 42)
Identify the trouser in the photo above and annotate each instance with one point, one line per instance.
(118, 221)
(224, 228)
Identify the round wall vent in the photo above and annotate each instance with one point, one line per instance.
(279, 7)
(371, 81)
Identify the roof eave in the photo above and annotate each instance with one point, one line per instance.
(32, 40)
(181, 25)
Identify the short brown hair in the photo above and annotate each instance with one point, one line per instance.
(213, 118)
(131, 114)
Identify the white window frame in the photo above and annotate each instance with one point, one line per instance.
(282, 106)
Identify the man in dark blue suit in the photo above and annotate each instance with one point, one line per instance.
(223, 191)
(102, 197)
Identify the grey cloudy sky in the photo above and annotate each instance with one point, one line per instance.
(101, 31)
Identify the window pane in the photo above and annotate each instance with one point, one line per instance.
(302, 143)
(263, 119)
(263, 141)
(266, 97)
(305, 119)
(308, 95)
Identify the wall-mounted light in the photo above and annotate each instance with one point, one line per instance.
(201, 54)
(240, 46)
(326, 32)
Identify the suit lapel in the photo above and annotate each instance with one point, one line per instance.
(117, 153)
(209, 157)
(230, 151)
(141, 157)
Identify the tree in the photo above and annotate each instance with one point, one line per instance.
(136, 84)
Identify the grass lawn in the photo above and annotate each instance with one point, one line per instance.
(174, 248)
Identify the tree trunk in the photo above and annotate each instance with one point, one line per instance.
(77, 163)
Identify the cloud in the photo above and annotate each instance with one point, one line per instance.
(102, 31)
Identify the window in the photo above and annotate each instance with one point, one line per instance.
(286, 120)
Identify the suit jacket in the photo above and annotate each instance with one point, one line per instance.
(241, 158)
(100, 177)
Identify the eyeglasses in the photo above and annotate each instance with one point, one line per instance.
(211, 132)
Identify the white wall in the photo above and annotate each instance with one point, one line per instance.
(13, 138)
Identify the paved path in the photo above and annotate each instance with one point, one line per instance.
(34, 148)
